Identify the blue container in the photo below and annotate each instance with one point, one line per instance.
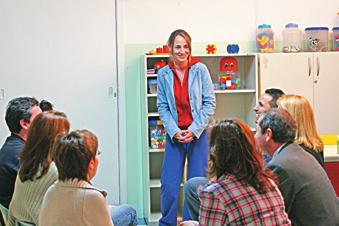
(316, 39)
(335, 38)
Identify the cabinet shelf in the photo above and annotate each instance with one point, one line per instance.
(153, 114)
(154, 183)
(235, 91)
(151, 75)
(155, 217)
(156, 150)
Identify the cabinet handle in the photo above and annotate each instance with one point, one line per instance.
(318, 66)
(309, 66)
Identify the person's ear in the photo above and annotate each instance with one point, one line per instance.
(24, 125)
(91, 164)
(268, 134)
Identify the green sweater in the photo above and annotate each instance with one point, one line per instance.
(28, 196)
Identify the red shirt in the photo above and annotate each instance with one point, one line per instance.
(181, 96)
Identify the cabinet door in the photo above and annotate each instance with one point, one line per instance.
(290, 72)
(326, 92)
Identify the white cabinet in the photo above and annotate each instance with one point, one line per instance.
(230, 103)
(312, 75)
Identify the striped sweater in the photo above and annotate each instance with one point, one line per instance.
(28, 196)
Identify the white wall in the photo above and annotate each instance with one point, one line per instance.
(151, 21)
(64, 51)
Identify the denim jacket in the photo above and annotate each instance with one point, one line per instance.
(201, 97)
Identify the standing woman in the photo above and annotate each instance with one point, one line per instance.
(37, 171)
(186, 102)
(307, 135)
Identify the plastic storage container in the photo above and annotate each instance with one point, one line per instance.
(316, 39)
(265, 39)
(152, 86)
(335, 39)
(157, 134)
(292, 38)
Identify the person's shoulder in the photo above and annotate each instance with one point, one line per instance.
(164, 70)
(94, 193)
(199, 66)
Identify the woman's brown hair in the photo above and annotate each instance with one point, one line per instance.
(183, 34)
(41, 134)
(233, 150)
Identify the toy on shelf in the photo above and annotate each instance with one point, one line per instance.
(157, 134)
(160, 50)
(211, 49)
(265, 39)
(229, 77)
(159, 64)
(233, 48)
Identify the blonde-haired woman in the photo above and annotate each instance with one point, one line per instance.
(307, 136)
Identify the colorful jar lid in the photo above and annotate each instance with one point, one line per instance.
(335, 28)
(291, 25)
(316, 28)
(264, 26)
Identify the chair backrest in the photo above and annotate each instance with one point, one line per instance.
(22, 223)
(4, 213)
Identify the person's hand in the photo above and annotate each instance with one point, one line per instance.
(186, 136)
(189, 223)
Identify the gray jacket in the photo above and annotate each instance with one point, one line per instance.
(308, 193)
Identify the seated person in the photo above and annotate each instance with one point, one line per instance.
(37, 172)
(308, 193)
(243, 193)
(307, 135)
(20, 113)
(72, 200)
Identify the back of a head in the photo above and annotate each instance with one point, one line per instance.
(232, 147)
(73, 152)
(275, 93)
(46, 105)
(281, 123)
(17, 109)
(301, 111)
(41, 134)
(233, 150)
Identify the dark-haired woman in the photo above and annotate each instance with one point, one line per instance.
(244, 193)
(37, 171)
(185, 103)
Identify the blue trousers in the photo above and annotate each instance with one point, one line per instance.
(192, 197)
(172, 172)
(124, 215)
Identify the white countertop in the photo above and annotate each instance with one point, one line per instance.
(331, 153)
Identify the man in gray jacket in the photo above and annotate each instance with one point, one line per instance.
(308, 193)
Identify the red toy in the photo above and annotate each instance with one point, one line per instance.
(211, 49)
(228, 64)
